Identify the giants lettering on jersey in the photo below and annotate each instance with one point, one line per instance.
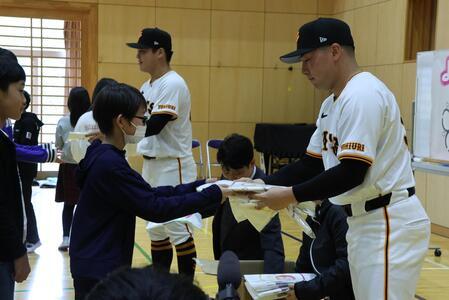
(353, 146)
(166, 106)
(329, 138)
(150, 106)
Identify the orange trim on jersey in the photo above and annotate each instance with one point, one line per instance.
(164, 112)
(356, 157)
(313, 154)
(386, 249)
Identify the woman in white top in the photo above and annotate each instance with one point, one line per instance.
(66, 189)
(87, 124)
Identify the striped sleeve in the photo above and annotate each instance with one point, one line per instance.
(51, 152)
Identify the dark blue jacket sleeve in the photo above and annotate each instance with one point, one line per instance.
(158, 205)
(179, 189)
(273, 247)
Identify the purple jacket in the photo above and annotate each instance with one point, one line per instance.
(34, 154)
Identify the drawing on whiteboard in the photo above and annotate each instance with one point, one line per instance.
(444, 78)
(445, 125)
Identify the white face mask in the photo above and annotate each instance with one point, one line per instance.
(138, 135)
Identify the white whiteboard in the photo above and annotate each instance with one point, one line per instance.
(431, 111)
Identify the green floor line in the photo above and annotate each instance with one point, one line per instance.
(144, 253)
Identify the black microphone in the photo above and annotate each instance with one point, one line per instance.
(228, 276)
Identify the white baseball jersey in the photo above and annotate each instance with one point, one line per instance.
(364, 124)
(168, 94)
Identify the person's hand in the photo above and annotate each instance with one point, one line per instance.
(21, 268)
(291, 295)
(225, 193)
(59, 157)
(95, 136)
(249, 180)
(275, 198)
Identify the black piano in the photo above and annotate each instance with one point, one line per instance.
(281, 143)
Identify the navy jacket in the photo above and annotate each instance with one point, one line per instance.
(11, 209)
(245, 241)
(329, 255)
(112, 195)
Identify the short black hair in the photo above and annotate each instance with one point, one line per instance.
(100, 85)
(235, 152)
(114, 100)
(350, 50)
(6, 54)
(27, 99)
(10, 72)
(145, 284)
(78, 103)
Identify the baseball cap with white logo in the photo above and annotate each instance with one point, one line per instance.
(153, 38)
(318, 33)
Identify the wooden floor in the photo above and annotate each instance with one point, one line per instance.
(50, 277)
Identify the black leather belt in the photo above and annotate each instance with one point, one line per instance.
(149, 157)
(376, 203)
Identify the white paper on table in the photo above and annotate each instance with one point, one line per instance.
(282, 278)
(264, 286)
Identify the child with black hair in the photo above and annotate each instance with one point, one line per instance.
(66, 188)
(25, 153)
(113, 194)
(146, 284)
(26, 132)
(236, 157)
(14, 265)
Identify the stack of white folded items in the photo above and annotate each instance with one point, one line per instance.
(244, 208)
(273, 286)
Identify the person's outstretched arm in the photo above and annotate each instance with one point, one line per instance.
(133, 194)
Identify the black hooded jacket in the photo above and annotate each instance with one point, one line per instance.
(328, 252)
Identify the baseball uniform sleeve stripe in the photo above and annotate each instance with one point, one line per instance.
(166, 112)
(356, 157)
(313, 154)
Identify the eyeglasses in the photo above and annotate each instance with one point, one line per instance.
(144, 118)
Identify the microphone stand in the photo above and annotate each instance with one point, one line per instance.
(228, 293)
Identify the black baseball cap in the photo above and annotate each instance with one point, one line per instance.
(153, 38)
(319, 33)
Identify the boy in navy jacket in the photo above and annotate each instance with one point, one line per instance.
(14, 265)
(112, 194)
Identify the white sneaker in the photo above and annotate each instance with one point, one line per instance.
(32, 247)
(65, 244)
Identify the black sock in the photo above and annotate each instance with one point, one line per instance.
(162, 254)
(186, 252)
